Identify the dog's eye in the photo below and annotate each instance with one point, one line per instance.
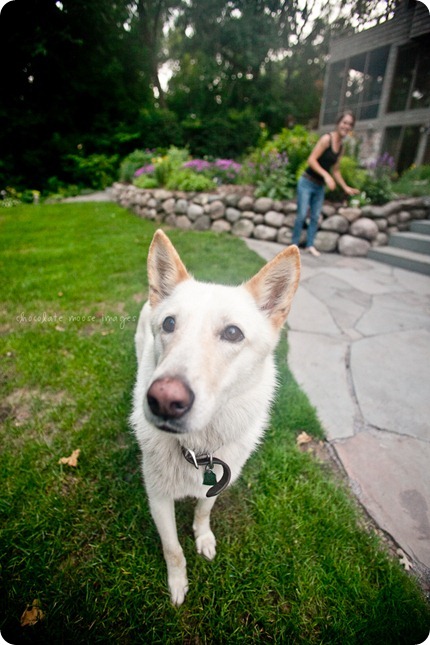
(169, 324)
(232, 334)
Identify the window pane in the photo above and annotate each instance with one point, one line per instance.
(392, 142)
(421, 91)
(411, 138)
(377, 62)
(369, 111)
(355, 81)
(406, 60)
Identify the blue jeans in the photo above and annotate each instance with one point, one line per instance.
(310, 196)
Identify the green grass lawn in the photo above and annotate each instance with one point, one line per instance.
(294, 563)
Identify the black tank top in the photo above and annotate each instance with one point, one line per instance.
(326, 161)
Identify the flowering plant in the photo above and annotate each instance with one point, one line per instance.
(382, 165)
(133, 162)
(377, 185)
(271, 172)
(222, 171)
(226, 171)
(198, 165)
(145, 170)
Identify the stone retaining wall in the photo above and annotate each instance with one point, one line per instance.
(349, 231)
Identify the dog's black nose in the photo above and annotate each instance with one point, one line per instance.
(169, 398)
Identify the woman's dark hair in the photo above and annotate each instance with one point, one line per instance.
(344, 114)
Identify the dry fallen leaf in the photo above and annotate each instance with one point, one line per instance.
(303, 438)
(404, 560)
(32, 614)
(72, 460)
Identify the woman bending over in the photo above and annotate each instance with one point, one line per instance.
(323, 159)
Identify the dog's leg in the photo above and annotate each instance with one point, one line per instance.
(163, 513)
(205, 539)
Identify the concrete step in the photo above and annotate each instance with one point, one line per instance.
(421, 226)
(411, 241)
(418, 262)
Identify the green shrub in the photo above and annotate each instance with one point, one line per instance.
(9, 197)
(96, 171)
(57, 189)
(378, 190)
(190, 181)
(172, 162)
(378, 185)
(415, 182)
(160, 169)
(132, 162)
(297, 143)
(301, 169)
(146, 181)
(353, 175)
(277, 186)
(270, 171)
(28, 196)
(351, 172)
(275, 166)
(417, 173)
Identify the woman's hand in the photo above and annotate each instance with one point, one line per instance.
(330, 182)
(351, 191)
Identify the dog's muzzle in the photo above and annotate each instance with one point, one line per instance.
(169, 399)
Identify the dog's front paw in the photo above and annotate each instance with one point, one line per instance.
(206, 545)
(178, 586)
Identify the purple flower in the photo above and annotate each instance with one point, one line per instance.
(228, 165)
(145, 170)
(197, 165)
(226, 170)
(384, 162)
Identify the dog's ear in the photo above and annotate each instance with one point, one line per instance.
(165, 268)
(274, 286)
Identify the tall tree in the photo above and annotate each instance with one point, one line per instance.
(70, 78)
(150, 17)
(269, 55)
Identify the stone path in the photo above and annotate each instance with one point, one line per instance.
(359, 346)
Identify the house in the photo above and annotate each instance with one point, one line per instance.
(382, 74)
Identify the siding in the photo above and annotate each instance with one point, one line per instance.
(399, 30)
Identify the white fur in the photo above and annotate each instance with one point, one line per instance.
(233, 384)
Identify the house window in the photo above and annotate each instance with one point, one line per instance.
(355, 80)
(411, 84)
(421, 91)
(355, 84)
(401, 142)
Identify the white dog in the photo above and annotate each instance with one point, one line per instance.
(205, 382)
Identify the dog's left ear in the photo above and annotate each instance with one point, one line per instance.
(165, 268)
(274, 286)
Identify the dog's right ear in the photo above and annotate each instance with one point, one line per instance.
(165, 268)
